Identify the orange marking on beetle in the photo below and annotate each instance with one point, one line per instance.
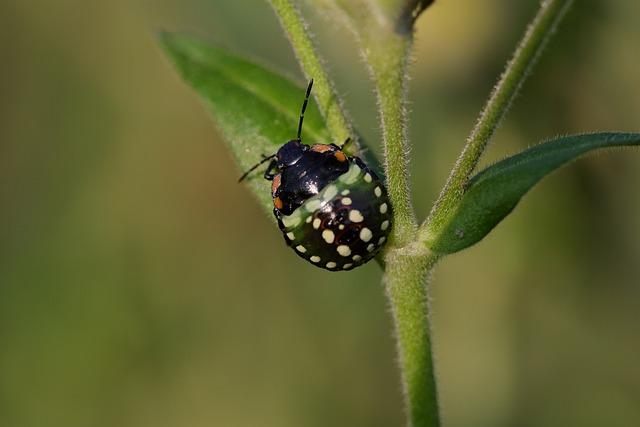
(275, 184)
(277, 202)
(340, 156)
(321, 148)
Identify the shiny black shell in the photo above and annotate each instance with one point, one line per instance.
(331, 208)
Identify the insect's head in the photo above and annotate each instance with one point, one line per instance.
(290, 153)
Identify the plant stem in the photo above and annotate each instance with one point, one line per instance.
(297, 30)
(387, 61)
(407, 262)
(385, 44)
(405, 282)
(525, 57)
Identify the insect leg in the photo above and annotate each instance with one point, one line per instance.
(268, 174)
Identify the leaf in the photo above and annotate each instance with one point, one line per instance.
(256, 108)
(494, 192)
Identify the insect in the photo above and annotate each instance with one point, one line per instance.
(331, 207)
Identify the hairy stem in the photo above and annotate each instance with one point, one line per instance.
(407, 266)
(296, 29)
(407, 263)
(387, 61)
(525, 57)
(405, 282)
(386, 44)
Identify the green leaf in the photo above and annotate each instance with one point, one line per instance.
(493, 193)
(256, 108)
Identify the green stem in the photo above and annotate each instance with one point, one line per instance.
(525, 57)
(386, 45)
(405, 282)
(407, 262)
(387, 60)
(297, 30)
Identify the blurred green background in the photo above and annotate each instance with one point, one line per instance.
(141, 286)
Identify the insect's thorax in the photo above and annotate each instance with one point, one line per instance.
(307, 177)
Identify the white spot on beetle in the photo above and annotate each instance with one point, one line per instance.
(378, 191)
(301, 249)
(355, 216)
(344, 250)
(382, 240)
(315, 259)
(347, 266)
(356, 258)
(328, 236)
(385, 225)
(383, 208)
(365, 234)
(316, 223)
(341, 227)
(291, 236)
(331, 264)
(345, 192)
(371, 247)
(309, 218)
(367, 177)
(346, 201)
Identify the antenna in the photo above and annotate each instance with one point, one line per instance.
(304, 107)
(266, 159)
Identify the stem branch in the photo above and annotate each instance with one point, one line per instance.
(387, 60)
(525, 57)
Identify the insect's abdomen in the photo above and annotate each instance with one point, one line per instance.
(344, 225)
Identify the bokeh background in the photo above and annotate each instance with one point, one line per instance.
(141, 286)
